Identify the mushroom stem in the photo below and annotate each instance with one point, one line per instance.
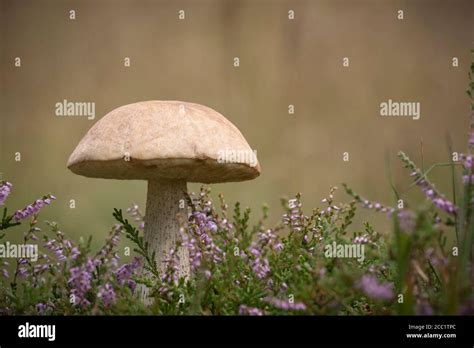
(164, 198)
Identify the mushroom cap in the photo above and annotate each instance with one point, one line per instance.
(165, 140)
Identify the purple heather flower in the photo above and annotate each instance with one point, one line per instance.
(199, 217)
(22, 272)
(406, 221)
(424, 308)
(135, 263)
(41, 308)
(444, 204)
(75, 253)
(50, 244)
(5, 189)
(390, 212)
(466, 179)
(372, 288)
(204, 224)
(126, 271)
(285, 304)
(264, 238)
(211, 226)
(245, 310)
(4, 272)
(114, 261)
(107, 294)
(93, 263)
(295, 220)
(40, 268)
(435, 259)
(115, 239)
(194, 251)
(278, 246)
(172, 269)
(467, 161)
(437, 199)
(254, 250)
(471, 139)
(205, 238)
(80, 281)
(376, 206)
(261, 267)
(59, 255)
(32, 209)
(22, 261)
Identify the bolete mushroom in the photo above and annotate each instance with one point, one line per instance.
(167, 143)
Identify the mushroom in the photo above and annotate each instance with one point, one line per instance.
(167, 143)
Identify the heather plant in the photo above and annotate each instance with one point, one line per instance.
(237, 269)
(259, 270)
(67, 278)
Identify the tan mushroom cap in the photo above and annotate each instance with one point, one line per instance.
(165, 140)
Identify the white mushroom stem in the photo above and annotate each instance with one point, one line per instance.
(165, 200)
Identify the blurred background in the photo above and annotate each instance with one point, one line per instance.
(282, 62)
